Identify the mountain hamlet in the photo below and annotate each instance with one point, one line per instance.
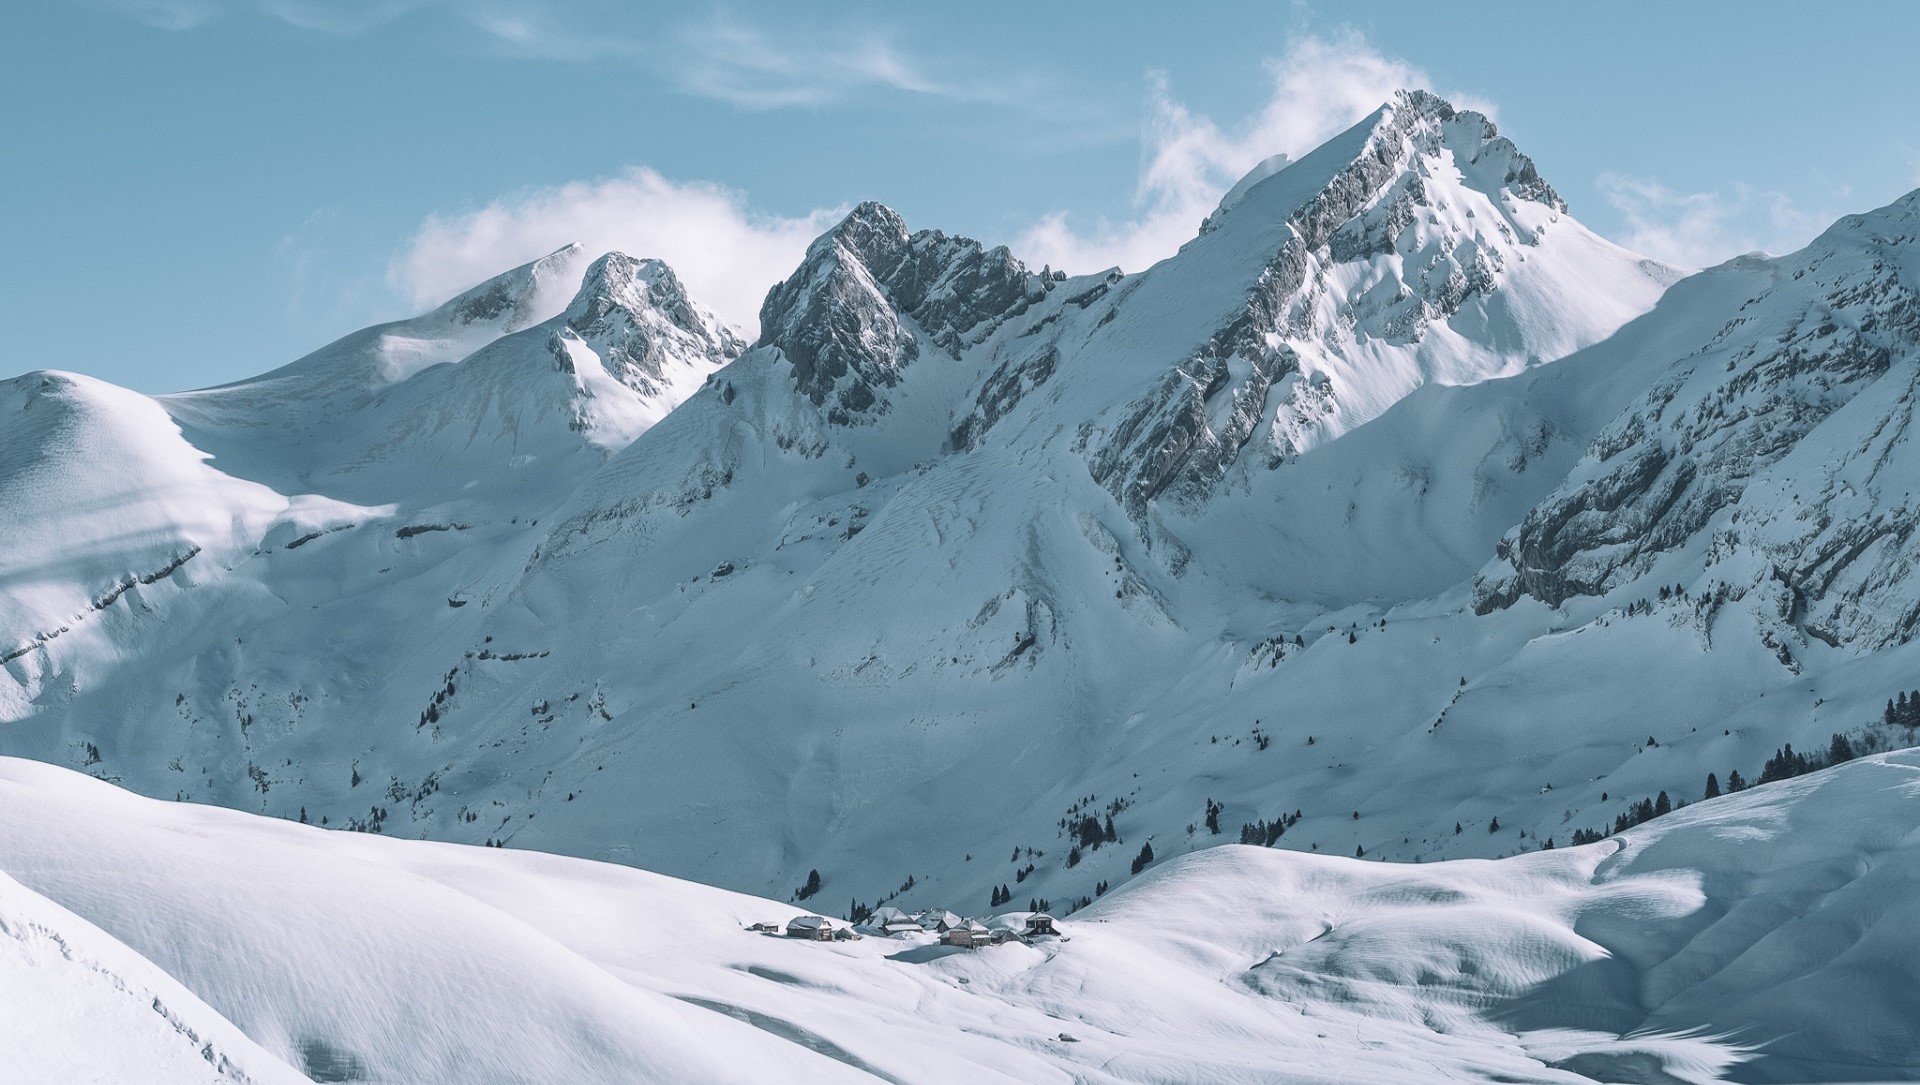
(486, 696)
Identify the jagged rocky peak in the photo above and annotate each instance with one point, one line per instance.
(513, 300)
(851, 318)
(638, 318)
(1376, 241)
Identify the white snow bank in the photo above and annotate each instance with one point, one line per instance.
(1773, 934)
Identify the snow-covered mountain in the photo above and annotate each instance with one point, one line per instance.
(1397, 500)
(164, 942)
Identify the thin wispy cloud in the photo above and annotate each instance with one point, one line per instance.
(728, 254)
(757, 66)
(752, 65)
(1700, 229)
(325, 16)
(531, 36)
(1317, 88)
(176, 15)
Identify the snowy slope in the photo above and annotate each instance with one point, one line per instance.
(1767, 936)
(1332, 512)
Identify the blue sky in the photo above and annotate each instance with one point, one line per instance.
(198, 190)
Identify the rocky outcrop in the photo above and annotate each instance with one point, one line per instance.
(1777, 450)
(846, 320)
(636, 316)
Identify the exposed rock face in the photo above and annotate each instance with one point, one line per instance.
(847, 319)
(636, 316)
(510, 300)
(1777, 449)
(1419, 222)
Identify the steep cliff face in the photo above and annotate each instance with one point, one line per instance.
(1397, 239)
(1771, 461)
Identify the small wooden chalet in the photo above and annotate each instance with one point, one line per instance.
(891, 921)
(812, 927)
(1040, 923)
(968, 935)
(940, 921)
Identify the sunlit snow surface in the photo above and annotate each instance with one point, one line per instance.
(1768, 936)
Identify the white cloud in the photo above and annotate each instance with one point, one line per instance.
(1700, 229)
(1319, 87)
(728, 255)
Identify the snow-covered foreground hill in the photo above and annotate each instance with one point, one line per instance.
(1395, 507)
(1772, 935)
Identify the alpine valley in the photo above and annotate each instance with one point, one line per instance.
(1396, 517)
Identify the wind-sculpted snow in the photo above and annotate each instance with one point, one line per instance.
(1767, 936)
(1775, 453)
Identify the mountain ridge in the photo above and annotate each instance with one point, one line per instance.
(954, 545)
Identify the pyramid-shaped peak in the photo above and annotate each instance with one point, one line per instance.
(1411, 114)
(640, 292)
(872, 233)
(1399, 148)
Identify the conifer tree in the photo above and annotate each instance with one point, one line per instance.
(1840, 750)
(1146, 856)
(1713, 786)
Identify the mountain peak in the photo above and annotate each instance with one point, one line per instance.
(618, 281)
(872, 232)
(1410, 134)
(514, 299)
(839, 318)
(637, 317)
(1468, 132)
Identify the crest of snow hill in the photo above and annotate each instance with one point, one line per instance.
(1393, 464)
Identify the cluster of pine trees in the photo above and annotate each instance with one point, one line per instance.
(1904, 711)
(811, 887)
(1141, 860)
(1785, 764)
(1266, 833)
